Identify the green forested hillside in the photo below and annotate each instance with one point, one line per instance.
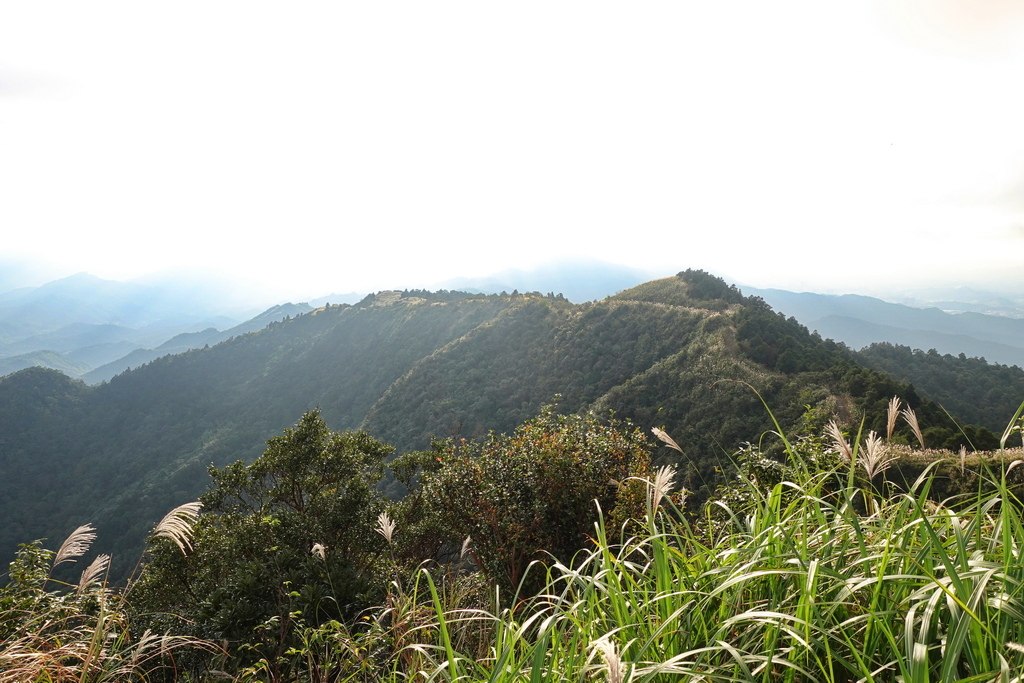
(415, 365)
(46, 359)
(975, 390)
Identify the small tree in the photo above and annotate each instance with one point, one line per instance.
(253, 575)
(533, 495)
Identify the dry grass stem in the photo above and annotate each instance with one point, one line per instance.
(75, 545)
(177, 525)
(665, 438)
(894, 413)
(911, 418)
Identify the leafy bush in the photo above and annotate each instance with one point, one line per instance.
(530, 496)
(254, 579)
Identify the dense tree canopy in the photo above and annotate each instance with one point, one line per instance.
(978, 392)
(533, 495)
(252, 573)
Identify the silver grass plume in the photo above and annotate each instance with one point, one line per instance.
(665, 438)
(386, 526)
(465, 547)
(911, 418)
(177, 525)
(612, 662)
(75, 545)
(894, 413)
(146, 643)
(662, 485)
(319, 550)
(839, 441)
(93, 572)
(876, 458)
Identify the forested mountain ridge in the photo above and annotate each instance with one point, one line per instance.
(409, 366)
(192, 340)
(977, 391)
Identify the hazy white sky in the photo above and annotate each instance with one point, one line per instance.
(335, 146)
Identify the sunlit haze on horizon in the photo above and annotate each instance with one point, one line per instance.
(326, 147)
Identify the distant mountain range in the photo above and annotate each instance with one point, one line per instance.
(859, 321)
(193, 340)
(953, 320)
(93, 329)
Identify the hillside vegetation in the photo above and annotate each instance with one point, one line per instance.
(579, 561)
(975, 390)
(680, 353)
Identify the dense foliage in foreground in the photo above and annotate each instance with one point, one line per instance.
(810, 568)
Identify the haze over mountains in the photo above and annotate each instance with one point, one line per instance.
(93, 329)
(859, 321)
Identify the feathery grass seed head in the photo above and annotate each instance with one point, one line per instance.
(75, 545)
(662, 485)
(876, 457)
(894, 413)
(665, 438)
(93, 572)
(839, 441)
(911, 418)
(612, 662)
(177, 525)
(386, 526)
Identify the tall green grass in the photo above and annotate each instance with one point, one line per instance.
(827, 574)
(817, 578)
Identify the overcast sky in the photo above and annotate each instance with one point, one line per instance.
(336, 146)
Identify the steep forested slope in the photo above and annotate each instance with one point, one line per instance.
(409, 366)
(979, 392)
(498, 375)
(121, 452)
